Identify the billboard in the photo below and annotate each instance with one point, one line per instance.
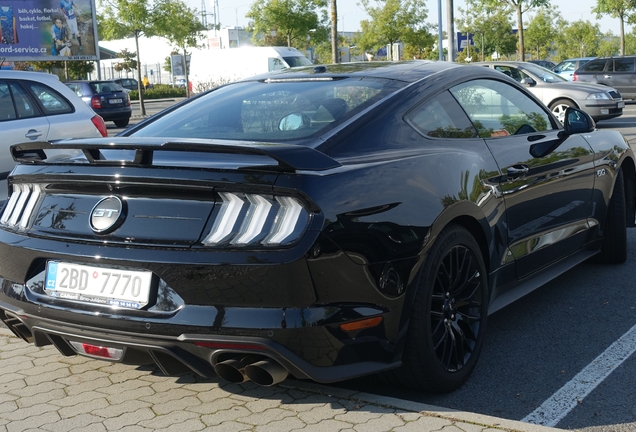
(463, 40)
(49, 30)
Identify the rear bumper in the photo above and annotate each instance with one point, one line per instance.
(178, 354)
(110, 114)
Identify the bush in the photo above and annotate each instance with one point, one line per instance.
(159, 91)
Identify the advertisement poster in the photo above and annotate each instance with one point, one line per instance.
(48, 30)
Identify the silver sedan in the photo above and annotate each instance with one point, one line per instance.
(37, 106)
(599, 101)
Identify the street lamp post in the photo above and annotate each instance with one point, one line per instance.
(235, 10)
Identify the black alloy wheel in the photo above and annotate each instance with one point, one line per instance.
(448, 320)
(456, 303)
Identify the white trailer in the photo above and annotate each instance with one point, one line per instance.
(212, 67)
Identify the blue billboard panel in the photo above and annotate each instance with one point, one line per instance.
(463, 39)
(32, 30)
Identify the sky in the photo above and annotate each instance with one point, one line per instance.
(350, 13)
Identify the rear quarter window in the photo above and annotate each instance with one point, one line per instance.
(51, 101)
(441, 117)
(624, 65)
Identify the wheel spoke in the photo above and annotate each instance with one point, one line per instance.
(460, 343)
(463, 276)
(465, 316)
(456, 308)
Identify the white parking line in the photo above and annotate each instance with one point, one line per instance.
(555, 408)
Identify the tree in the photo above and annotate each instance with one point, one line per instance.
(180, 25)
(579, 39)
(520, 7)
(621, 9)
(293, 19)
(490, 25)
(630, 42)
(609, 45)
(71, 69)
(393, 21)
(124, 18)
(418, 43)
(542, 31)
(334, 31)
(129, 62)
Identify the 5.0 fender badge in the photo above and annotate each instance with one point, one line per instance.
(107, 215)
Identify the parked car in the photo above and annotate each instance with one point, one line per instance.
(38, 107)
(127, 83)
(107, 98)
(617, 72)
(327, 222)
(600, 102)
(567, 67)
(544, 63)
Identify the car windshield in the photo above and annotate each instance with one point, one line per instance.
(271, 110)
(543, 74)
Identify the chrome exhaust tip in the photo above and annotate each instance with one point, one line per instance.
(266, 372)
(233, 370)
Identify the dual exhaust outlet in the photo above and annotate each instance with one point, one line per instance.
(262, 371)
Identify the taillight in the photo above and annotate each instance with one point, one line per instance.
(127, 100)
(252, 219)
(575, 77)
(95, 102)
(100, 125)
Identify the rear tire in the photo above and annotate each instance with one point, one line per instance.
(448, 320)
(614, 249)
(121, 123)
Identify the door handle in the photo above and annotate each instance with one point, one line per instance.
(32, 133)
(516, 171)
(607, 76)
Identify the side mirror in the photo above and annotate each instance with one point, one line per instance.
(577, 121)
(528, 82)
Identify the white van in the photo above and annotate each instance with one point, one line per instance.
(212, 67)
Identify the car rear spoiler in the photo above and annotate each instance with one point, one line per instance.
(289, 157)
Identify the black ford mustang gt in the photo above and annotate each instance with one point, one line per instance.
(325, 222)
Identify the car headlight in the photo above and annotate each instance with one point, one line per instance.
(599, 96)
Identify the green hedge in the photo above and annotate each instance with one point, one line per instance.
(159, 91)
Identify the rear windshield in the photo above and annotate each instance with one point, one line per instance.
(544, 74)
(275, 110)
(106, 87)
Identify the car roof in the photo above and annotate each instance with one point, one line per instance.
(14, 74)
(407, 71)
(509, 62)
(90, 81)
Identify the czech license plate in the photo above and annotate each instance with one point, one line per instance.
(114, 287)
(621, 105)
(115, 101)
